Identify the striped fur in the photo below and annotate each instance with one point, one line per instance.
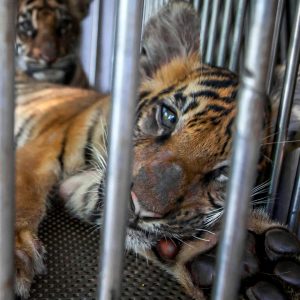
(47, 39)
(182, 147)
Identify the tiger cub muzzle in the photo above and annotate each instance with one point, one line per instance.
(158, 185)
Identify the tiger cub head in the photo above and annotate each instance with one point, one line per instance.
(183, 133)
(47, 36)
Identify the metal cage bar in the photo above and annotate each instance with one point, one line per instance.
(224, 33)
(196, 4)
(285, 108)
(94, 54)
(212, 34)
(7, 37)
(274, 47)
(286, 185)
(283, 36)
(247, 141)
(124, 94)
(203, 26)
(293, 218)
(237, 35)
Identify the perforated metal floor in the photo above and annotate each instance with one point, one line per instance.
(72, 265)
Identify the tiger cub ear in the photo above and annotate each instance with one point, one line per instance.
(172, 32)
(79, 8)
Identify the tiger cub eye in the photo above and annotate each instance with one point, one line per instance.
(168, 117)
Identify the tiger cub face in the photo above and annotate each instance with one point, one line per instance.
(47, 35)
(183, 134)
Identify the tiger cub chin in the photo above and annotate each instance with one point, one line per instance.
(182, 141)
(47, 40)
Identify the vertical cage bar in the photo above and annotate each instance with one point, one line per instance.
(212, 33)
(284, 112)
(107, 42)
(94, 54)
(293, 217)
(197, 5)
(224, 33)
(203, 26)
(7, 37)
(283, 36)
(124, 94)
(286, 186)
(274, 48)
(237, 35)
(247, 141)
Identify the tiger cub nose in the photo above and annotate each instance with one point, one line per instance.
(140, 211)
(49, 52)
(158, 185)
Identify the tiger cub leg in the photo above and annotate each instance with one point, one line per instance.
(270, 269)
(36, 173)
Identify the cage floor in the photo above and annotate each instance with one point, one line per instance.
(72, 265)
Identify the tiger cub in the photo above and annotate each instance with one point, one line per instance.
(182, 146)
(47, 37)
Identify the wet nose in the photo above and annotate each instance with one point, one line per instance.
(140, 211)
(158, 185)
(49, 52)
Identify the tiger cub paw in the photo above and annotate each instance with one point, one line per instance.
(29, 262)
(271, 267)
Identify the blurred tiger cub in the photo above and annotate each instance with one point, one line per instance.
(47, 37)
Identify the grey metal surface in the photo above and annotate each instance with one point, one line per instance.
(204, 26)
(212, 32)
(283, 37)
(196, 4)
(286, 185)
(94, 51)
(246, 146)
(99, 49)
(7, 36)
(72, 265)
(124, 95)
(293, 217)
(285, 109)
(278, 22)
(224, 33)
(237, 35)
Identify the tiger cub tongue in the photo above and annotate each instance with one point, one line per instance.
(167, 249)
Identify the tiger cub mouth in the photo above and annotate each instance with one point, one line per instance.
(52, 73)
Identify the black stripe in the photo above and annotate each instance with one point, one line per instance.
(228, 133)
(179, 100)
(205, 94)
(166, 91)
(219, 83)
(212, 201)
(181, 89)
(144, 94)
(192, 105)
(228, 127)
(61, 155)
(215, 120)
(216, 108)
(88, 153)
(162, 138)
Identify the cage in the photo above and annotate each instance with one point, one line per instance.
(231, 36)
